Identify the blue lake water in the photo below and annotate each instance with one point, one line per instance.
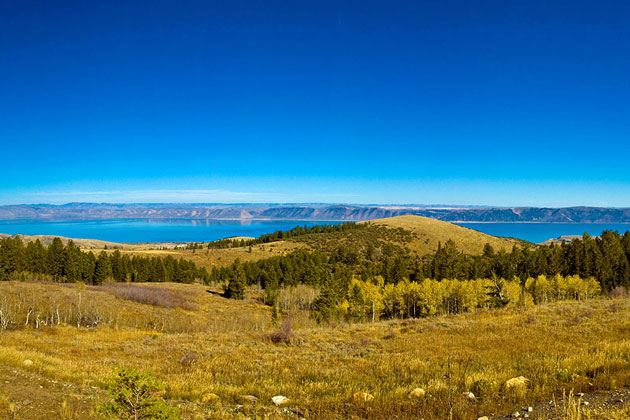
(143, 230)
(539, 232)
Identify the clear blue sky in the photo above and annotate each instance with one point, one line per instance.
(456, 102)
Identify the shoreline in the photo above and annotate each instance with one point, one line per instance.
(258, 219)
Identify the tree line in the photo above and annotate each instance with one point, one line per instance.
(606, 258)
(591, 264)
(70, 264)
(372, 300)
(280, 235)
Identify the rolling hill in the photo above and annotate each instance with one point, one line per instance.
(421, 235)
(428, 233)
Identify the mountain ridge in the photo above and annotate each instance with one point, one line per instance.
(321, 212)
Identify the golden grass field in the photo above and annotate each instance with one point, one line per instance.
(221, 349)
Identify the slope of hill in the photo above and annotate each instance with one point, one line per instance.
(428, 233)
(80, 242)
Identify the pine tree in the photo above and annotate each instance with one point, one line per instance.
(488, 251)
(236, 286)
(88, 266)
(36, 257)
(56, 258)
(325, 303)
(12, 257)
(72, 262)
(496, 293)
(118, 270)
(103, 268)
(133, 395)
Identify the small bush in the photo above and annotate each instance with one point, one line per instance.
(391, 334)
(189, 359)
(484, 388)
(284, 334)
(531, 319)
(8, 408)
(618, 292)
(136, 395)
(575, 321)
(66, 412)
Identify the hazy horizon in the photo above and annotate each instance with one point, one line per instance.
(448, 193)
(301, 203)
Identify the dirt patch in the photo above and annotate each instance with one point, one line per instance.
(595, 403)
(36, 397)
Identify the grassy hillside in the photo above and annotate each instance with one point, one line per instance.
(224, 350)
(209, 258)
(82, 243)
(428, 232)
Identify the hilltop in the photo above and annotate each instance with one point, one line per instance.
(416, 234)
(428, 233)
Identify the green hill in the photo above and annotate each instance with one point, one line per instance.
(428, 233)
(420, 235)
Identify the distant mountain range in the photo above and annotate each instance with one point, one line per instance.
(103, 211)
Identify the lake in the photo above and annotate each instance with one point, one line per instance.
(146, 230)
(539, 232)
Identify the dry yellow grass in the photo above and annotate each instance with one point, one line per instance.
(429, 232)
(582, 346)
(209, 258)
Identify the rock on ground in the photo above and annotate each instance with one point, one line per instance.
(279, 400)
(362, 397)
(417, 393)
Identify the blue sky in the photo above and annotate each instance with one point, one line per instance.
(451, 102)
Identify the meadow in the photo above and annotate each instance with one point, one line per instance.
(406, 318)
(213, 354)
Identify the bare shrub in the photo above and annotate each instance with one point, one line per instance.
(618, 292)
(365, 342)
(284, 334)
(189, 359)
(484, 388)
(391, 334)
(151, 295)
(576, 320)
